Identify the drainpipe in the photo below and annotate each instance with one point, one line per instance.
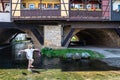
(111, 6)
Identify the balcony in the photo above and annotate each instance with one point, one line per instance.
(85, 15)
(38, 14)
(37, 10)
(77, 10)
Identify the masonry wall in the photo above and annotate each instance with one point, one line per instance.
(52, 36)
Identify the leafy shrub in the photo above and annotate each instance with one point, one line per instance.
(49, 52)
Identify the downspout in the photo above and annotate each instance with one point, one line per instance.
(111, 7)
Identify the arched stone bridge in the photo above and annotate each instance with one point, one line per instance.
(54, 34)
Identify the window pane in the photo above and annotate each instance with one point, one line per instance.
(23, 5)
(31, 6)
(43, 6)
(49, 6)
(57, 6)
(7, 7)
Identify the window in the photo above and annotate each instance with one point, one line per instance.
(31, 6)
(49, 6)
(96, 6)
(80, 6)
(83, 5)
(42, 6)
(57, 6)
(77, 6)
(23, 5)
(89, 6)
(119, 7)
(7, 7)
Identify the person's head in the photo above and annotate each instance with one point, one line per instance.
(30, 46)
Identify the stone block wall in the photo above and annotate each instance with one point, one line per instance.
(52, 36)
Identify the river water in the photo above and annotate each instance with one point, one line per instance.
(7, 61)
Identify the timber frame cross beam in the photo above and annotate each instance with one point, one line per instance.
(3, 5)
(68, 37)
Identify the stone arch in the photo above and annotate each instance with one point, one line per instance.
(33, 37)
(99, 37)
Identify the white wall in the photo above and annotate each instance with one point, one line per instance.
(115, 5)
(5, 17)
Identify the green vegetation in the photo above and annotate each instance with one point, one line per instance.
(19, 41)
(57, 74)
(74, 38)
(49, 52)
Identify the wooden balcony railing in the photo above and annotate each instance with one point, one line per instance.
(55, 14)
(38, 12)
(85, 15)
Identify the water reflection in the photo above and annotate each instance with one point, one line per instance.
(77, 65)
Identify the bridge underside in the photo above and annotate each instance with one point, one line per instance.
(60, 33)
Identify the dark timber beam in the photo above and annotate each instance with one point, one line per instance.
(93, 24)
(68, 37)
(118, 31)
(37, 35)
(8, 25)
(3, 5)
